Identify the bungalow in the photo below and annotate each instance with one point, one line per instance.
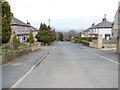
(21, 29)
(103, 28)
(91, 32)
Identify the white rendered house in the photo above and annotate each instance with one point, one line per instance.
(104, 28)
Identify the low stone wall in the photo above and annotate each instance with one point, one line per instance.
(92, 45)
(104, 45)
(0, 59)
(15, 54)
(18, 53)
(35, 46)
(109, 45)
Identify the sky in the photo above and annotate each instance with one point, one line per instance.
(64, 14)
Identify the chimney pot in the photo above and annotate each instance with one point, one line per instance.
(93, 24)
(28, 22)
(104, 19)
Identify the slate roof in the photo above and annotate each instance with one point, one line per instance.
(104, 24)
(34, 29)
(91, 27)
(17, 22)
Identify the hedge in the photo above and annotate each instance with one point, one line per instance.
(87, 39)
(85, 42)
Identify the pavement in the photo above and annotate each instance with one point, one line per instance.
(72, 65)
(0, 77)
(108, 53)
(17, 68)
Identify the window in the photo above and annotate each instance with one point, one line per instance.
(23, 38)
(19, 37)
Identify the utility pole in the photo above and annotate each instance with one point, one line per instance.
(49, 22)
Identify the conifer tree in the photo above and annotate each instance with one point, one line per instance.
(6, 20)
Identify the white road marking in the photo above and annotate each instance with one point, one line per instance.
(103, 57)
(13, 86)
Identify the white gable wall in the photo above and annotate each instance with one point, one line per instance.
(104, 31)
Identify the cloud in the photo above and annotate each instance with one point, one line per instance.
(38, 11)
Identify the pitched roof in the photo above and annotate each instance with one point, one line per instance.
(92, 27)
(104, 24)
(15, 21)
(34, 29)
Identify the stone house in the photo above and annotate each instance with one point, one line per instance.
(21, 29)
(116, 28)
(116, 23)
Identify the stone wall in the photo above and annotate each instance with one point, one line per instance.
(15, 54)
(0, 59)
(35, 46)
(101, 43)
(109, 45)
(91, 44)
(118, 44)
(18, 53)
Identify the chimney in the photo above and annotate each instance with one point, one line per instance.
(12, 14)
(104, 19)
(112, 24)
(93, 24)
(28, 22)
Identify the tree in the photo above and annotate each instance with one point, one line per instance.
(16, 42)
(31, 38)
(60, 36)
(72, 33)
(0, 23)
(44, 35)
(44, 27)
(53, 34)
(6, 20)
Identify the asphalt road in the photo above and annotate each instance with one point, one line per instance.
(17, 68)
(74, 66)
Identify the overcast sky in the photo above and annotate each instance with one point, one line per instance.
(64, 14)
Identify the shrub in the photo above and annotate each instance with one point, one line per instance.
(16, 42)
(76, 40)
(60, 36)
(67, 39)
(87, 39)
(27, 39)
(85, 43)
(23, 45)
(31, 38)
(103, 46)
